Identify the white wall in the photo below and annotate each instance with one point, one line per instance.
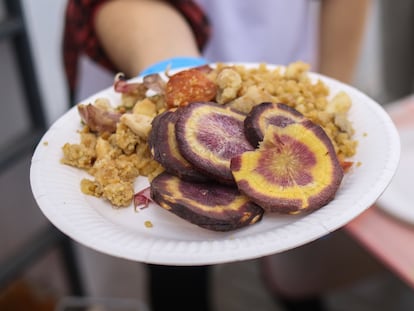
(369, 72)
(45, 23)
(45, 20)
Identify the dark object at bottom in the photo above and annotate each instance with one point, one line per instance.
(309, 304)
(188, 288)
(179, 288)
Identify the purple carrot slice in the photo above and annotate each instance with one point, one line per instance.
(163, 146)
(294, 170)
(208, 205)
(265, 114)
(208, 136)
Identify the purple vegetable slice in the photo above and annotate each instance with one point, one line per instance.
(163, 146)
(294, 170)
(208, 136)
(265, 114)
(208, 205)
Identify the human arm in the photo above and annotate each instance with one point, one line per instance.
(138, 33)
(342, 30)
(80, 35)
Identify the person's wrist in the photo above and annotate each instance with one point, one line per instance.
(174, 63)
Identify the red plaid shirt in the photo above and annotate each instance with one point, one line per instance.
(80, 37)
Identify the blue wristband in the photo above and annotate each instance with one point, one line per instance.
(174, 63)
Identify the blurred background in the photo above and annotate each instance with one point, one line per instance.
(39, 266)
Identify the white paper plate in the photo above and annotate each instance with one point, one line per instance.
(398, 199)
(173, 241)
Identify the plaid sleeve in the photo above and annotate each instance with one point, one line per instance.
(79, 35)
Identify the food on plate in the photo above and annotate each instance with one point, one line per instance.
(265, 114)
(294, 169)
(190, 86)
(206, 204)
(100, 117)
(164, 148)
(219, 125)
(114, 160)
(208, 136)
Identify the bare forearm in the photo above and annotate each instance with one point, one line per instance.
(342, 30)
(138, 33)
